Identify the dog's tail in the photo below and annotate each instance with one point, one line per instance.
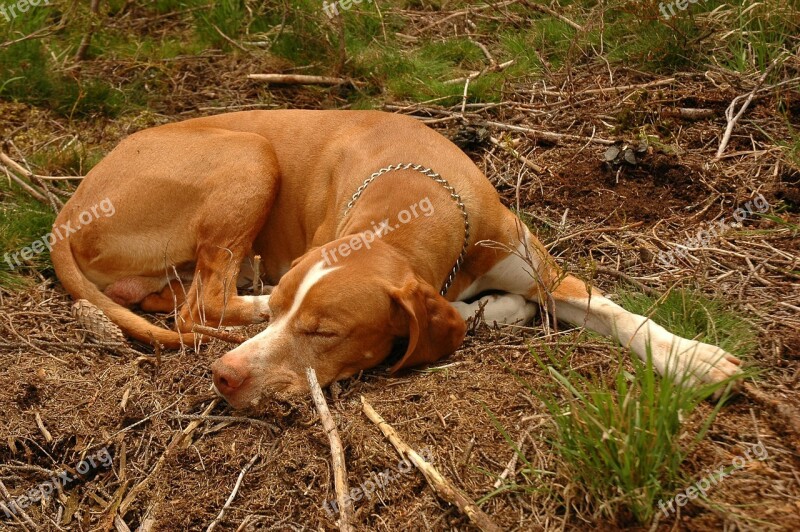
(131, 324)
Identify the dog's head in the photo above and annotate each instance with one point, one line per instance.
(339, 318)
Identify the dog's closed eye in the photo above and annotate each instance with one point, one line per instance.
(321, 330)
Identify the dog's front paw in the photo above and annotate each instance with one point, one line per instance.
(692, 363)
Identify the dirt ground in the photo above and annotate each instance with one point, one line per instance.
(62, 397)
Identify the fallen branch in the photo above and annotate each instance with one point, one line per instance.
(337, 454)
(726, 137)
(219, 334)
(546, 135)
(618, 274)
(83, 47)
(297, 79)
(466, 11)
(553, 13)
(443, 487)
(8, 161)
(35, 194)
(46, 433)
(524, 160)
(49, 198)
(689, 113)
(512, 463)
(606, 90)
(479, 73)
(229, 419)
(552, 244)
(25, 517)
(234, 43)
(232, 496)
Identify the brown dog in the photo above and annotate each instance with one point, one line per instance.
(357, 236)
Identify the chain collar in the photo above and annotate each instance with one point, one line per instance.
(453, 194)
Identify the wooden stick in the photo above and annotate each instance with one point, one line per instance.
(83, 47)
(553, 13)
(546, 135)
(46, 433)
(606, 90)
(225, 336)
(689, 113)
(234, 43)
(618, 274)
(8, 161)
(337, 453)
(570, 236)
(443, 487)
(524, 160)
(492, 68)
(228, 502)
(25, 186)
(25, 517)
(297, 79)
(726, 137)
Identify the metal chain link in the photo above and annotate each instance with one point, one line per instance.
(453, 194)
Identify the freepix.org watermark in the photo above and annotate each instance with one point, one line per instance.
(366, 238)
(42, 492)
(756, 452)
(758, 205)
(682, 5)
(105, 208)
(376, 481)
(332, 9)
(9, 11)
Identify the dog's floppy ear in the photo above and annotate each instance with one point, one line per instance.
(435, 329)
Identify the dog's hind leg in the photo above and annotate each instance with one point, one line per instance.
(170, 298)
(686, 361)
(528, 269)
(212, 298)
(229, 220)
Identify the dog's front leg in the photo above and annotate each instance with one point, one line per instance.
(671, 354)
(504, 309)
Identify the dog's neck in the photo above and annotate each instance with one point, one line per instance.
(414, 215)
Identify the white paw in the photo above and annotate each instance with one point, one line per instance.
(692, 362)
(505, 309)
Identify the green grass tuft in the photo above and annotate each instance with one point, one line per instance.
(22, 221)
(622, 443)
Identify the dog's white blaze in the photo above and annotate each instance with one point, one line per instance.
(313, 276)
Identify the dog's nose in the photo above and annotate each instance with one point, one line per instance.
(227, 377)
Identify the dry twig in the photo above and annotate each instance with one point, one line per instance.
(524, 160)
(232, 496)
(443, 487)
(297, 79)
(225, 336)
(337, 453)
(546, 135)
(83, 48)
(726, 137)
